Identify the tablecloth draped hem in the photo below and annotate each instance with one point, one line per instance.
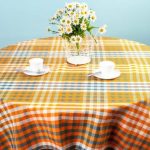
(27, 127)
(74, 146)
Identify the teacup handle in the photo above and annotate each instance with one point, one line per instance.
(93, 74)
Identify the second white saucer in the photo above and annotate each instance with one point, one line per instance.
(114, 74)
(29, 72)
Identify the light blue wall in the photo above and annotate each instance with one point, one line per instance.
(26, 19)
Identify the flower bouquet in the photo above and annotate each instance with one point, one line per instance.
(74, 22)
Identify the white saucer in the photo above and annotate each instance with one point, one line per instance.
(78, 60)
(29, 72)
(114, 74)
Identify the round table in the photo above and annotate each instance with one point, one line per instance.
(65, 109)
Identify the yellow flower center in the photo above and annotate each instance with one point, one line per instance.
(68, 29)
(70, 6)
(93, 17)
(85, 13)
(68, 22)
(78, 39)
(101, 30)
(82, 12)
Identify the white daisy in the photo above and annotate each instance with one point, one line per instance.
(73, 39)
(68, 21)
(75, 21)
(83, 26)
(78, 39)
(93, 17)
(77, 16)
(68, 29)
(63, 21)
(84, 13)
(61, 30)
(78, 5)
(59, 12)
(53, 18)
(71, 13)
(70, 6)
(102, 29)
(84, 6)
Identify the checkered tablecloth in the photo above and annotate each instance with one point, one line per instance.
(66, 110)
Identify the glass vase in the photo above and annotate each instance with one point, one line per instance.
(79, 54)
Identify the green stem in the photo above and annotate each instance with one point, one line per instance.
(54, 23)
(93, 37)
(78, 46)
(54, 32)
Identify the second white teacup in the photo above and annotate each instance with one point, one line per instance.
(107, 67)
(36, 64)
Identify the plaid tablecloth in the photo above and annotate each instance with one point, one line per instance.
(66, 110)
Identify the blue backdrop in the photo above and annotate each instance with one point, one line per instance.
(27, 19)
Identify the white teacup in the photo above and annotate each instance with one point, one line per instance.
(107, 67)
(36, 64)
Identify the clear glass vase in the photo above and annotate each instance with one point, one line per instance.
(79, 54)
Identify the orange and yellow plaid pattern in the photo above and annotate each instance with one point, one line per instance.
(67, 110)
